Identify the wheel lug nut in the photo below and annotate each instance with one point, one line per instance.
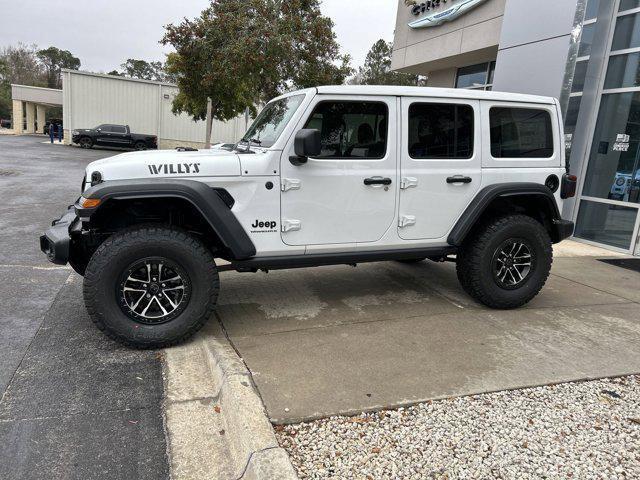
(163, 285)
(148, 296)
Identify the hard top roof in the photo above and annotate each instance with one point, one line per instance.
(459, 93)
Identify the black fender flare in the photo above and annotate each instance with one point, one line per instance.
(203, 197)
(561, 229)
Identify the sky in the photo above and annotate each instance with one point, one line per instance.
(104, 33)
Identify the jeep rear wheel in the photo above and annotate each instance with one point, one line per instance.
(140, 146)
(507, 262)
(151, 287)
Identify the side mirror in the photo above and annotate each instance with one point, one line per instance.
(307, 144)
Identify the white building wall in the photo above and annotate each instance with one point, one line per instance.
(177, 127)
(93, 99)
(542, 39)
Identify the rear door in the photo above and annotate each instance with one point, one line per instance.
(119, 136)
(440, 164)
(348, 193)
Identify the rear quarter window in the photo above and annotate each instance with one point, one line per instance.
(521, 133)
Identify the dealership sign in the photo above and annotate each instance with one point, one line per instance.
(435, 12)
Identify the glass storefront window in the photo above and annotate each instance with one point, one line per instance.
(609, 207)
(571, 119)
(592, 9)
(579, 76)
(614, 163)
(627, 34)
(586, 40)
(492, 71)
(605, 223)
(623, 71)
(629, 4)
(472, 76)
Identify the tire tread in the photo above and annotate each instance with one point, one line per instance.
(470, 256)
(120, 242)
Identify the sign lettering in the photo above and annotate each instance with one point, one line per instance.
(435, 12)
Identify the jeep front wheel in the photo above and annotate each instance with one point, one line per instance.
(151, 287)
(507, 262)
(86, 142)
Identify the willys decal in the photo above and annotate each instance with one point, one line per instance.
(174, 168)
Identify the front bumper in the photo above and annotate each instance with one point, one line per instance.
(562, 229)
(56, 241)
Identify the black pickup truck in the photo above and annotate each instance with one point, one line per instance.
(113, 136)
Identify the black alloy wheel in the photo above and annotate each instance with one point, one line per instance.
(513, 262)
(153, 291)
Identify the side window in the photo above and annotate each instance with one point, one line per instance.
(118, 129)
(520, 133)
(438, 130)
(105, 128)
(351, 129)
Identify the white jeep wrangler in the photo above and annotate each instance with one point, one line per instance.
(324, 176)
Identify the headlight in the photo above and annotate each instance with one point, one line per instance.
(96, 178)
(620, 181)
(76, 132)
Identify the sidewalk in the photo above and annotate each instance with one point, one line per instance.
(339, 340)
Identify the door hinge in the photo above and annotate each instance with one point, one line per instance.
(406, 221)
(408, 182)
(290, 184)
(291, 225)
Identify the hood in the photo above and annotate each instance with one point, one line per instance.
(167, 164)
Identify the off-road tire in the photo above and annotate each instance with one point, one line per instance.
(475, 261)
(110, 261)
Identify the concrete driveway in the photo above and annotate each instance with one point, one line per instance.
(340, 340)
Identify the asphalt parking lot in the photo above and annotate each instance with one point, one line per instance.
(74, 404)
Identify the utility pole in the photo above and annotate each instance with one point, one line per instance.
(207, 142)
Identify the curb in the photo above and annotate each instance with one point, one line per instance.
(216, 423)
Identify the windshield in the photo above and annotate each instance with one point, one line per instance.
(266, 129)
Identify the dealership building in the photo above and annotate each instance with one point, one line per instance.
(586, 53)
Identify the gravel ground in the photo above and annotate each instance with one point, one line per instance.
(575, 430)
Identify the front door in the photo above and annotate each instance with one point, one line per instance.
(440, 164)
(348, 193)
(103, 136)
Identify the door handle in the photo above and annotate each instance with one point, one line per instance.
(459, 179)
(377, 181)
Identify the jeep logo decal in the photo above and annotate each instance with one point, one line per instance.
(174, 168)
(269, 225)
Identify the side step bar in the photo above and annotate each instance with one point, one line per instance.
(325, 259)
